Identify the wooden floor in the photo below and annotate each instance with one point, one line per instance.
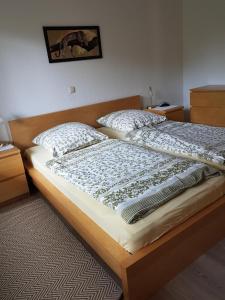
(203, 280)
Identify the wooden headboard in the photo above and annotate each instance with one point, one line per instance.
(25, 129)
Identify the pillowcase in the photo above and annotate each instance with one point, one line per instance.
(67, 137)
(130, 119)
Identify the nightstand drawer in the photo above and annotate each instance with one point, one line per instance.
(176, 115)
(11, 166)
(13, 188)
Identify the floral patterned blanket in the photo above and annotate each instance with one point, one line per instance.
(199, 142)
(132, 180)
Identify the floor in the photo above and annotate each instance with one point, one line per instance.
(203, 280)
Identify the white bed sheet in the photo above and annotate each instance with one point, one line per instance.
(135, 236)
(112, 133)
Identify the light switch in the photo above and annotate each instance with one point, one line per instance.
(72, 90)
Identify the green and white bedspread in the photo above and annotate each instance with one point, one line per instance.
(132, 180)
(198, 142)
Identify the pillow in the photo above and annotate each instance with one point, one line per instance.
(67, 137)
(130, 119)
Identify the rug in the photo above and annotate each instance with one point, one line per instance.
(41, 257)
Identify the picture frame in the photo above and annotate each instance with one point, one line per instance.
(71, 43)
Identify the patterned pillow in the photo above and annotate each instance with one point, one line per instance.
(67, 137)
(130, 119)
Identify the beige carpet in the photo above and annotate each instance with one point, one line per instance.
(42, 258)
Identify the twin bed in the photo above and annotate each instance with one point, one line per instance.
(144, 255)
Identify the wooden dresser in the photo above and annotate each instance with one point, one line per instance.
(13, 182)
(208, 105)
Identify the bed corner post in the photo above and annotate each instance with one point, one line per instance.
(136, 281)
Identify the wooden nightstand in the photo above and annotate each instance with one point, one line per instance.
(13, 182)
(175, 113)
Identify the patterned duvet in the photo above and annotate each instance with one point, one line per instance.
(199, 142)
(130, 179)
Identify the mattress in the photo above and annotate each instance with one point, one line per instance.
(132, 237)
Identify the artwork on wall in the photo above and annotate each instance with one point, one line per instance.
(69, 43)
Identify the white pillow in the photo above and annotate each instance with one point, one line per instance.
(130, 119)
(67, 137)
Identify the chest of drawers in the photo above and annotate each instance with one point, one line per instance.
(208, 105)
(13, 181)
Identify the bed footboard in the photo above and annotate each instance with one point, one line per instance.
(152, 267)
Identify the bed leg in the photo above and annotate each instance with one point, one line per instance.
(137, 287)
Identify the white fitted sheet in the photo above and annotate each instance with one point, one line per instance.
(112, 133)
(135, 236)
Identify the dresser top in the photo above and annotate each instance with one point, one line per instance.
(209, 88)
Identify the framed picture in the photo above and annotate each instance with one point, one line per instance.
(70, 43)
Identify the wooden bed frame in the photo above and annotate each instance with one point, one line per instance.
(144, 272)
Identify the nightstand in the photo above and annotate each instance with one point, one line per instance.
(13, 182)
(173, 112)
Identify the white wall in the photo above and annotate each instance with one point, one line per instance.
(165, 59)
(203, 44)
(141, 43)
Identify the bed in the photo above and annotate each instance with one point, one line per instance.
(193, 141)
(135, 236)
(143, 272)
